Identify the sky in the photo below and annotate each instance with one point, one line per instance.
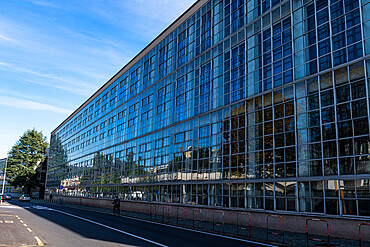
(55, 54)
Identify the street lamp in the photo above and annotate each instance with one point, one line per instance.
(6, 164)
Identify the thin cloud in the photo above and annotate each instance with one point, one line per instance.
(75, 86)
(31, 105)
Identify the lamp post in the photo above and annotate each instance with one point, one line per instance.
(6, 164)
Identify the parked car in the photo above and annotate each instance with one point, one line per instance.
(8, 197)
(24, 198)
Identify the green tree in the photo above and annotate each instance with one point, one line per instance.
(24, 158)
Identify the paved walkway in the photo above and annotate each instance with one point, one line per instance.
(259, 234)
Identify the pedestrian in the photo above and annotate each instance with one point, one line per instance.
(51, 196)
(116, 205)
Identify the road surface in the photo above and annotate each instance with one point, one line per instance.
(36, 224)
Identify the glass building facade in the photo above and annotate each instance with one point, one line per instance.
(248, 104)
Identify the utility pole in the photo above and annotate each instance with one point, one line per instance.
(6, 164)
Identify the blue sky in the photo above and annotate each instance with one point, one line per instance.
(55, 54)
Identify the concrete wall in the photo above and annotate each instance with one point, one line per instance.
(338, 226)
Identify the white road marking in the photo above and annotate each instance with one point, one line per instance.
(181, 228)
(111, 228)
(29, 229)
(39, 242)
(207, 233)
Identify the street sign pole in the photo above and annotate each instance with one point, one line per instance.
(6, 163)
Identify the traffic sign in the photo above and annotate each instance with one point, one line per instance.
(60, 187)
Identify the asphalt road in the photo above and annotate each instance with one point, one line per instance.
(33, 224)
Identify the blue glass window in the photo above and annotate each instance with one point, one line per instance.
(325, 62)
(278, 80)
(354, 51)
(311, 52)
(267, 84)
(288, 63)
(320, 4)
(277, 40)
(338, 25)
(278, 53)
(288, 76)
(324, 47)
(287, 36)
(354, 35)
(287, 48)
(277, 28)
(323, 31)
(287, 23)
(322, 16)
(353, 18)
(339, 41)
(339, 57)
(350, 5)
(336, 10)
(278, 68)
(267, 58)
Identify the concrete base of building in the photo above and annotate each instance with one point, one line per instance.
(342, 227)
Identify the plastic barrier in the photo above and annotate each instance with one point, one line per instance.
(359, 232)
(223, 220)
(197, 221)
(183, 216)
(152, 212)
(249, 228)
(316, 239)
(271, 232)
(166, 217)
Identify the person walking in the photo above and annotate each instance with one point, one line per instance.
(116, 205)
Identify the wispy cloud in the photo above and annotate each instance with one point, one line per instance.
(44, 3)
(7, 39)
(31, 105)
(72, 85)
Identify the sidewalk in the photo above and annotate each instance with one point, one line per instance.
(258, 234)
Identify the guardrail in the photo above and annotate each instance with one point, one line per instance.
(166, 217)
(197, 221)
(249, 228)
(152, 212)
(183, 216)
(271, 232)
(359, 233)
(317, 239)
(223, 220)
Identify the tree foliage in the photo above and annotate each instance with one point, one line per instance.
(24, 158)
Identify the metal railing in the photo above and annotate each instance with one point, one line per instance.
(317, 239)
(198, 220)
(238, 225)
(166, 214)
(183, 216)
(359, 233)
(223, 220)
(152, 212)
(272, 232)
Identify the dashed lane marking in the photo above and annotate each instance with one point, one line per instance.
(39, 242)
(9, 221)
(29, 229)
(25, 225)
(21, 221)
